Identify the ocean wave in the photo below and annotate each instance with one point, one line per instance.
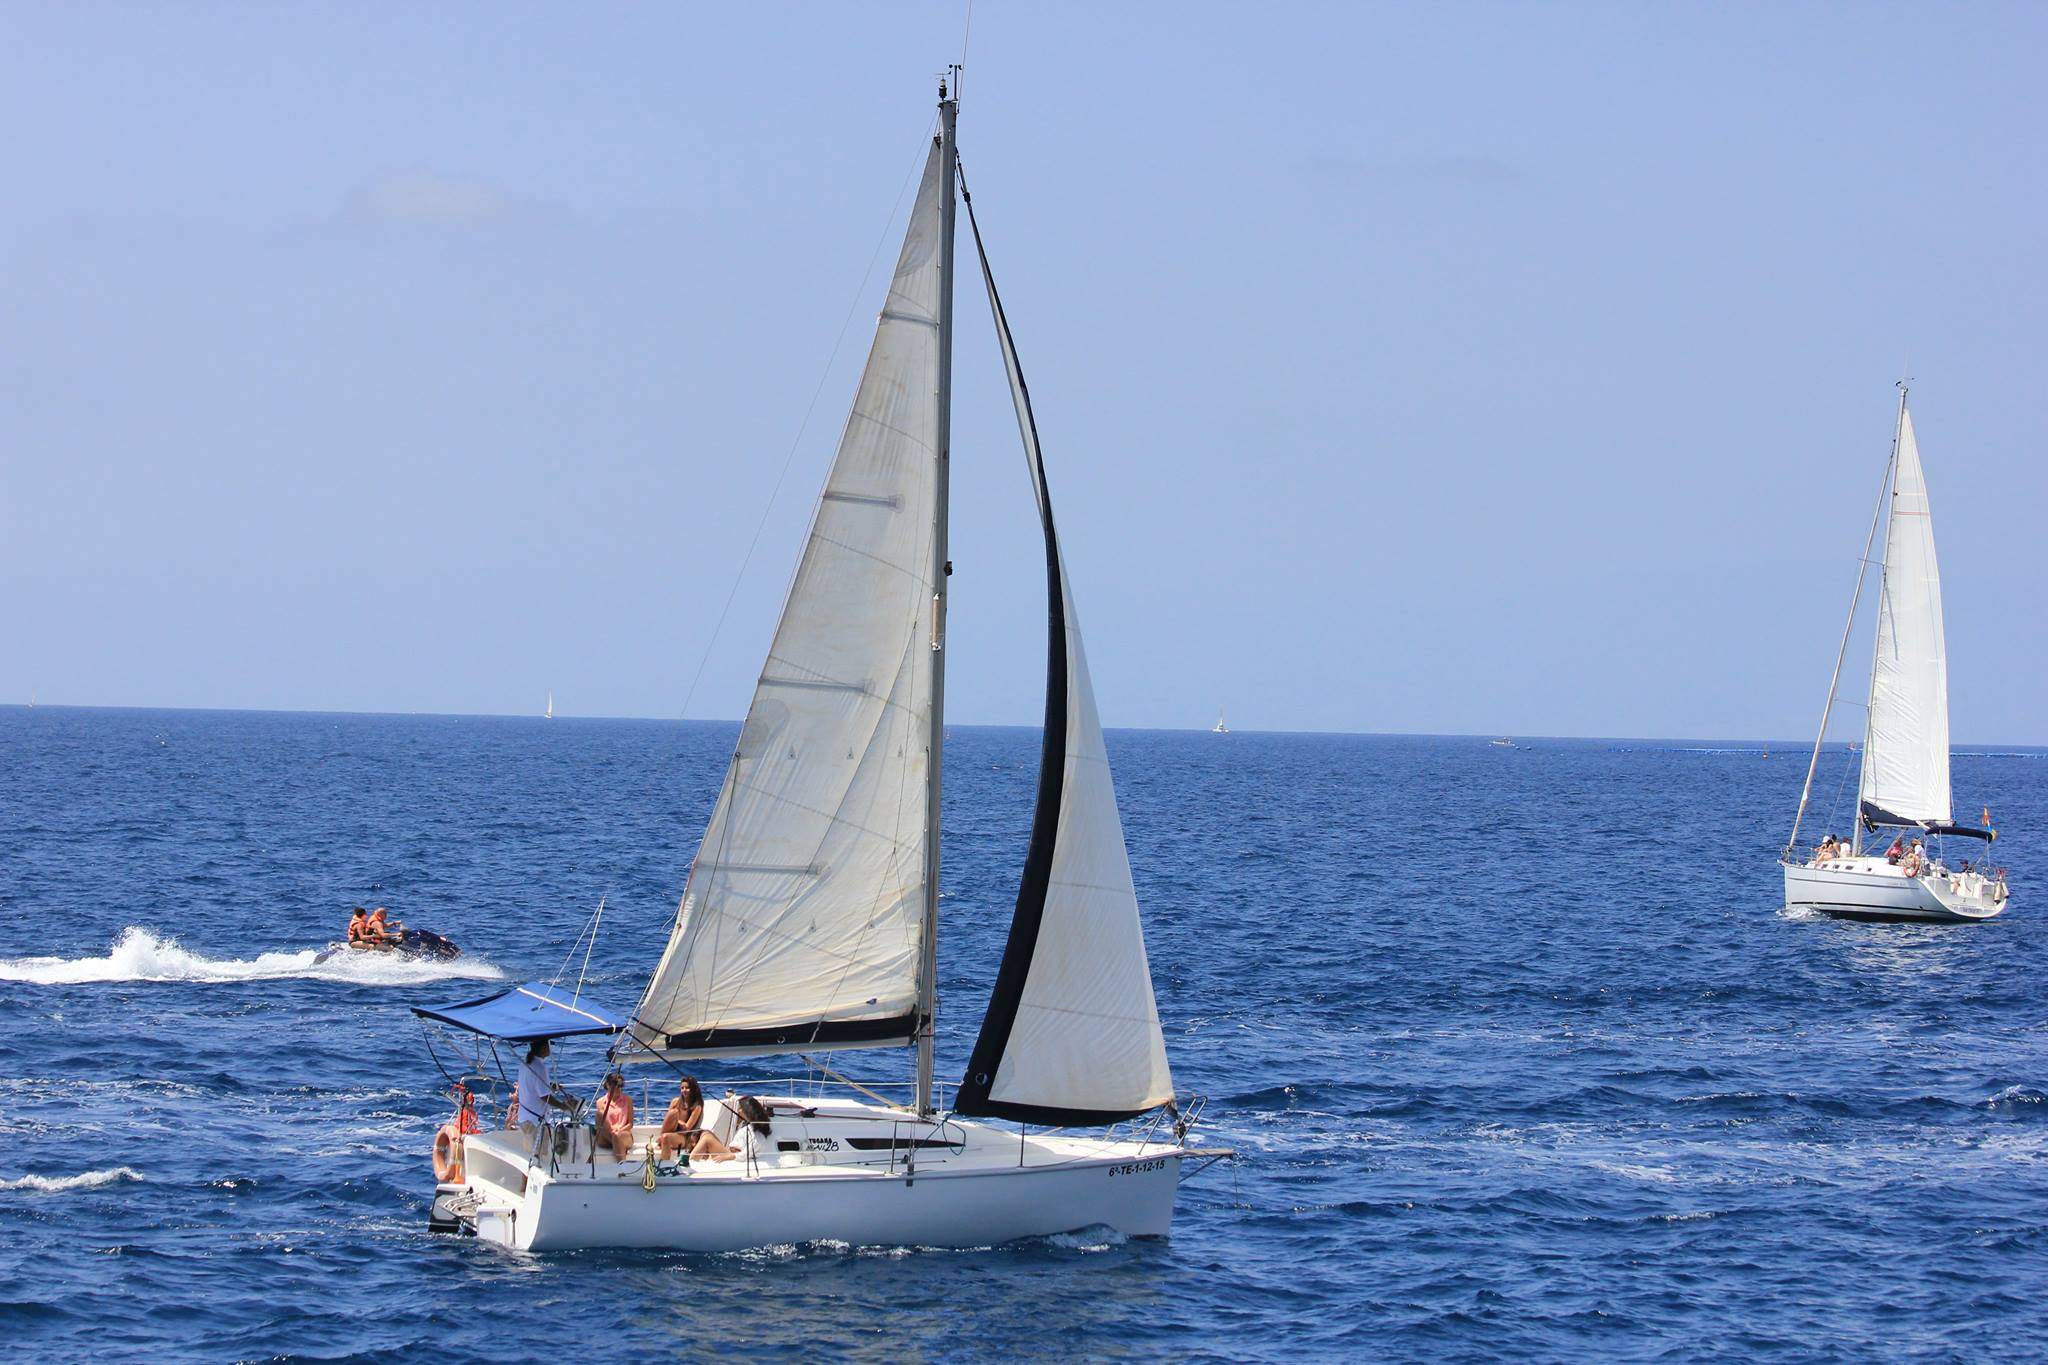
(1096, 1237)
(57, 1184)
(2014, 1095)
(142, 955)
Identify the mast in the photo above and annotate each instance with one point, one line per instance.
(1884, 569)
(1841, 651)
(942, 568)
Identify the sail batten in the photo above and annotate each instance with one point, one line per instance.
(801, 923)
(1905, 775)
(1072, 1034)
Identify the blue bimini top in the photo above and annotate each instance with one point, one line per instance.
(524, 1014)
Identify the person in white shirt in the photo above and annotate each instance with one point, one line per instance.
(535, 1090)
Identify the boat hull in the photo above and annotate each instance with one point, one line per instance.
(1872, 889)
(985, 1187)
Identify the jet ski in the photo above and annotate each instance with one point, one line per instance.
(413, 945)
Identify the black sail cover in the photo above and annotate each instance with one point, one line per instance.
(1072, 1032)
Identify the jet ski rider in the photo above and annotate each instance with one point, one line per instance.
(379, 934)
(358, 925)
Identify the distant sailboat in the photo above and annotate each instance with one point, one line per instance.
(549, 714)
(1219, 728)
(1905, 758)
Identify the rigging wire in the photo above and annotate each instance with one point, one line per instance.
(966, 32)
(589, 948)
(589, 928)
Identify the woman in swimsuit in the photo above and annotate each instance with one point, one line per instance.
(684, 1121)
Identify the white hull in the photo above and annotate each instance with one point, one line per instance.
(1871, 888)
(982, 1187)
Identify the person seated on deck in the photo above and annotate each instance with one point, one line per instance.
(1916, 859)
(357, 923)
(1897, 850)
(683, 1124)
(615, 1117)
(749, 1138)
(380, 934)
(1828, 849)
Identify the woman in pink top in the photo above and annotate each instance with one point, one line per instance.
(615, 1117)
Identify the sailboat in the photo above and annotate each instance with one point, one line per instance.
(1903, 791)
(810, 916)
(1220, 728)
(549, 714)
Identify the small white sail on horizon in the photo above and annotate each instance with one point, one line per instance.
(549, 714)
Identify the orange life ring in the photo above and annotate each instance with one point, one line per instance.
(448, 1154)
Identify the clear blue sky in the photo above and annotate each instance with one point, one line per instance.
(1493, 368)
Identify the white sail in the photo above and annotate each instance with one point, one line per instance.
(1905, 756)
(801, 923)
(1072, 1033)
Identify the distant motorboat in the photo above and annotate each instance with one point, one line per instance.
(1504, 743)
(1904, 784)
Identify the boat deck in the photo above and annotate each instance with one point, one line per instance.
(1870, 887)
(827, 1140)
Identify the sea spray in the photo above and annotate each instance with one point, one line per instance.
(140, 954)
(58, 1184)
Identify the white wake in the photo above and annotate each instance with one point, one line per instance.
(57, 1184)
(139, 955)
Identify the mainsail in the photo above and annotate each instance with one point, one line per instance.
(1905, 753)
(801, 925)
(1072, 1031)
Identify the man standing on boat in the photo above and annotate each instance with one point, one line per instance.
(536, 1088)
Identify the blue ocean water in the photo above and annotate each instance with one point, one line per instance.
(1520, 1052)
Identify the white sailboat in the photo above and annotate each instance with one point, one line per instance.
(810, 917)
(1220, 728)
(549, 714)
(1904, 786)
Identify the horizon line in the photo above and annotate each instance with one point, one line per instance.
(1789, 745)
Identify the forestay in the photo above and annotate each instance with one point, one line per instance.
(800, 924)
(1072, 1032)
(1905, 756)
